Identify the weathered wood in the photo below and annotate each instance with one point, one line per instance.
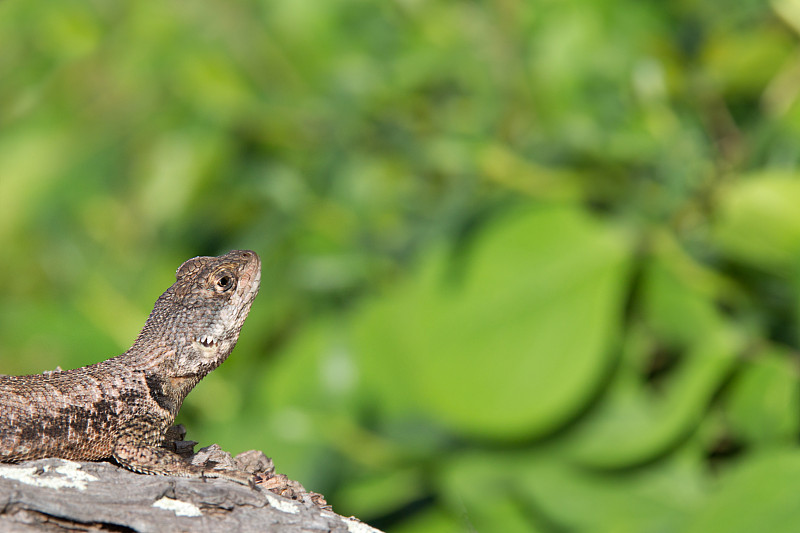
(58, 495)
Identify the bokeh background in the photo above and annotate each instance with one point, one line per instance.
(528, 265)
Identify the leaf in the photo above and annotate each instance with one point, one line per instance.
(553, 495)
(636, 422)
(759, 222)
(633, 427)
(382, 493)
(764, 399)
(477, 488)
(430, 521)
(759, 495)
(510, 341)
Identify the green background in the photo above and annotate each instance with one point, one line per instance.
(527, 265)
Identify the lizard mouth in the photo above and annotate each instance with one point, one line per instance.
(207, 341)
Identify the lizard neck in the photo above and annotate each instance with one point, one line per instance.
(169, 392)
(167, 385)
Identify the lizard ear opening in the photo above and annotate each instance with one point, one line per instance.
(192, 265)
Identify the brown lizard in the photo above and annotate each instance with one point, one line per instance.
(121, 408)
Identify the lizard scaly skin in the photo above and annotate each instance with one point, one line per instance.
(121, 408)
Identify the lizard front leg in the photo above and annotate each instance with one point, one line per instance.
(146, 459)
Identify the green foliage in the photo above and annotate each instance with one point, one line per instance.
(528, 266)
(469, 341)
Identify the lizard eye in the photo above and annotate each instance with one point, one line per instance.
(224, 282)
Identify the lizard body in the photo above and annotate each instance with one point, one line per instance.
(121, 408)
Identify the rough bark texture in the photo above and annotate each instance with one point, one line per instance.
(61, 495)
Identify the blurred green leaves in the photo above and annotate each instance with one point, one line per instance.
(528, 266)
(507, 298)
(759, 223)
(762, 489)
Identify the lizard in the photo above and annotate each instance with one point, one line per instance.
(121, 408)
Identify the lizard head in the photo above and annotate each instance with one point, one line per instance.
(195, 324)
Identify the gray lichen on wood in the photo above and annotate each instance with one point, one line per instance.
(61, 495)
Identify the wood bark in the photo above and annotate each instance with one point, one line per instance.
(58, 495)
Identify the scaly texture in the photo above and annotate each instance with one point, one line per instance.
(121, 408)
